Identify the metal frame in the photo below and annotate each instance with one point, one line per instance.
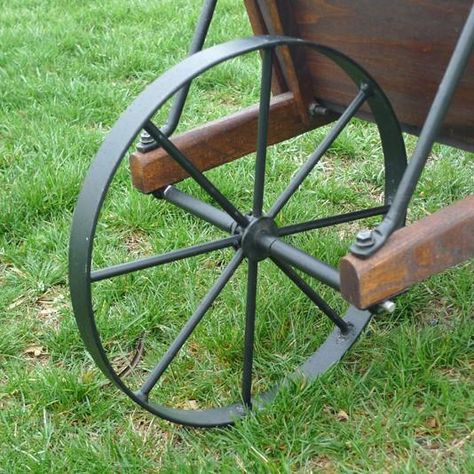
(255, 237)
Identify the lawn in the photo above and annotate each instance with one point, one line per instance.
(401, 400)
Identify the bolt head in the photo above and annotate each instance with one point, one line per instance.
(316, 109)
(365, 238)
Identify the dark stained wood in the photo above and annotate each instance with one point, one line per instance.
(279, 85)
(219, 142)
(410, 255)
(405, 45)
(275, 17)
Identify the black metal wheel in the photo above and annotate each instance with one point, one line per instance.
(254, 237)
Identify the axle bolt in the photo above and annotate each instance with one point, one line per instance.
(318, 110)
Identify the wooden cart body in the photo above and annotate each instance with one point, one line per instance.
(405, 46)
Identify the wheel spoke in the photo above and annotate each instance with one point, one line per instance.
(265, 94)
(163, 258)
(190, 325)
(312, 295)
(249, 332)
(333, 220)
(194, 172)
(302, 260)
(313, 160)
(198, 208)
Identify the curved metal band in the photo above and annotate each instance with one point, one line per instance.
(112, 152)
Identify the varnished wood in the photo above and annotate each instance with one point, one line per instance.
(275, 17)
(219, 142)
(279, 85)
(411, 254)
(405, 45)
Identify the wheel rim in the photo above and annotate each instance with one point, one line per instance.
(255, 238)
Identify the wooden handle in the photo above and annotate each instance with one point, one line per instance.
(219, 142)
(411, 254)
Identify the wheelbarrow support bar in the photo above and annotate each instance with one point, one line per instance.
(411, 254)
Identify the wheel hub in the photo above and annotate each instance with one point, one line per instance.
(252, 245)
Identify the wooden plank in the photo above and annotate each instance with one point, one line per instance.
(405, 45)
(410, 255)
(219, 142)
(279, 85)
(275, 17)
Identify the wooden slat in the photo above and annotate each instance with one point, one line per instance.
(410, 255)
(275, 17)
(219, 142)
(405, 45)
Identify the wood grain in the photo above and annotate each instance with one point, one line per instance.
(219, 142)
(275, 17)
(405, 45)
(410, 255)
(279, 85)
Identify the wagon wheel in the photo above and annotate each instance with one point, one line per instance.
(255, 236)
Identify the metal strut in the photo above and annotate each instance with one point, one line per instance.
(147, 142)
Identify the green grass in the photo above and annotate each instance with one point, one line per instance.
(401, 401)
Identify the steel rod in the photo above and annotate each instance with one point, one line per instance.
(198, 208)
(190, 325)
(168, 257)
(197, 43)
(194, 172)
(332, 220)
(322, 148)
(312, 295)
(301, 260)
(261, 154)
(249, 332)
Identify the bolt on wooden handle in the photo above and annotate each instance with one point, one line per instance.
(410, 255)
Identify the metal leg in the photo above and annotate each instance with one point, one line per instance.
(147, 143)
(457, 64)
